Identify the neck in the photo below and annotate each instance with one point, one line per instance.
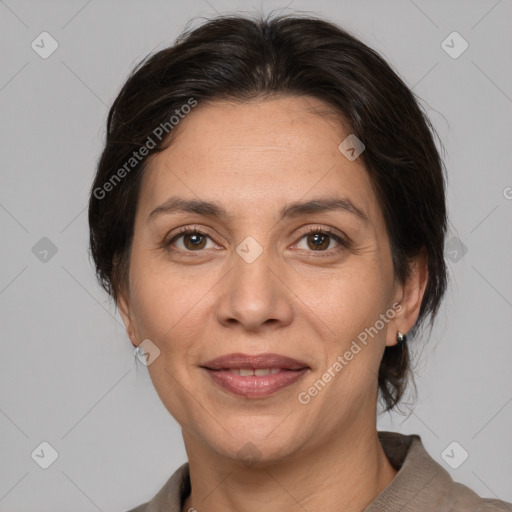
(347, 476)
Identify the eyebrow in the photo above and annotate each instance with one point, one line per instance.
(177, 204)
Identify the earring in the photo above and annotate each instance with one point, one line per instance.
(400, 338)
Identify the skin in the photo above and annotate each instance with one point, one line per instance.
(293, 299)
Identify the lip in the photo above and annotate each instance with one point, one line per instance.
(254, 386)
(254, 362)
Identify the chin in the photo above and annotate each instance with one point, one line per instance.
(255, 449)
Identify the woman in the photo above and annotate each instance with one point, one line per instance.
(269, 215)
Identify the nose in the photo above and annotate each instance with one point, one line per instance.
(254, 295)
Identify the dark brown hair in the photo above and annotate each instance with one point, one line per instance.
(241, 58)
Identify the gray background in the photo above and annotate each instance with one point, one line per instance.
(67, 371)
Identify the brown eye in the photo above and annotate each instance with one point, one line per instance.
(193, 240)
(318, 241)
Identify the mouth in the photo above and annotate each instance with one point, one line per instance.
(254, 376)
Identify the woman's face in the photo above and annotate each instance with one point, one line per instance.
(256, 282)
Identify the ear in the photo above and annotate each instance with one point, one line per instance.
(410, 296)
(125, 310)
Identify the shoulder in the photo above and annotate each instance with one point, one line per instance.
(459, 498)
(170, 497)
(422, 484)
(140, 508)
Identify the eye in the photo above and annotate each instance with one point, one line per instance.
(316, 240)
(319, 240)
(193, 240)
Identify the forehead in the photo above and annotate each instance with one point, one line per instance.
(254, 157)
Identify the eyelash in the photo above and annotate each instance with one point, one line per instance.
(343, 244)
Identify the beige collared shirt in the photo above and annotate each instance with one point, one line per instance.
(421, 485)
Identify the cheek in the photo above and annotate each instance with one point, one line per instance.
(353, 312)
(166, 312)
(165, 298)
(353, 299)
